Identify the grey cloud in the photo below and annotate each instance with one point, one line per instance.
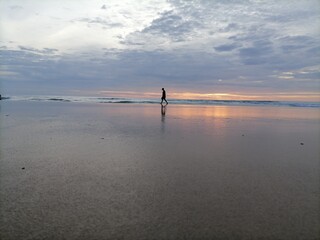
(16, 7)
(169, 27)
(188, 19)
(17, 56)
(309, 75)
(263, 44)
(297, 39)
(231, 27)
(132, 70)
(131, 40)
(98, 20)
(290, 48)
(298, 44)
(254, 61)
(226, 47)
(38, 73)
(261, 52)
(314, 50)
(293, 15)
(232, 1)
(172, 25)
(41, 51)
(208, 3)
(293, 43)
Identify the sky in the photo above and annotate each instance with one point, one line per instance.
(204, 49)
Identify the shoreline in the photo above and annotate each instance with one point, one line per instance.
(197, 102)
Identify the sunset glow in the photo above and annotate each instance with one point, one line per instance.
(299, 96)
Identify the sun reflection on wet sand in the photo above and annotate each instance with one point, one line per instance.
(187, 111)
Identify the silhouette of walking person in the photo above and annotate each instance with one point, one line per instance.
(163, 96)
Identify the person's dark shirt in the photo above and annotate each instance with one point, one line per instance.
(163, 94)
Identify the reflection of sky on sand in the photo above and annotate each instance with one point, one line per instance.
(144, 119)
(193, 112)
(243, 112)
(196, 169)
(221, 125)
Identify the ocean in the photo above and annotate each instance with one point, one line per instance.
(157, 101)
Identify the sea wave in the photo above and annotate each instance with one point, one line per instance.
(155, 101)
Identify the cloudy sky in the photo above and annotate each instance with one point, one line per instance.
(215, 49)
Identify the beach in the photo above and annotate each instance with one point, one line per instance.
(140, 171)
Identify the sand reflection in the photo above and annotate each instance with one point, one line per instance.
(163, 117)
(243, 112)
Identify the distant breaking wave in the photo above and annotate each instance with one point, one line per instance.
(156, 101)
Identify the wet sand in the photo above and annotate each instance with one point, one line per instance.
(126, 171)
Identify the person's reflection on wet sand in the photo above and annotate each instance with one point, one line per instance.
(163, 111)
(163, 116)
